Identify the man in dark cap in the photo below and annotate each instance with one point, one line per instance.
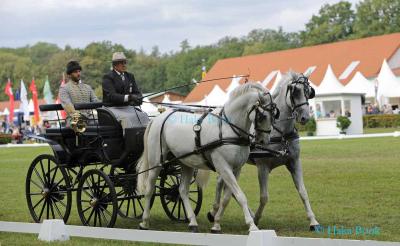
(121, 93)
(74, 91)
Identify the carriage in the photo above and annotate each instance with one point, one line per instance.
(97, 165)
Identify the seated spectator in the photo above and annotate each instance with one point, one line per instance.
(332, 114)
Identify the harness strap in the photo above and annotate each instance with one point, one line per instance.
(197, 140)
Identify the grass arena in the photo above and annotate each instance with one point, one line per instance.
(353, 186)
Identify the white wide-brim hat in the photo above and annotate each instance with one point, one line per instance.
(118, 56)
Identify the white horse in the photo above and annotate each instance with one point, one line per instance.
(223, 134)
(291, 97)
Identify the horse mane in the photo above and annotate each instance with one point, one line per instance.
(286, 79)
(243, 89)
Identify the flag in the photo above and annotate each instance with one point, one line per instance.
(48, 96)
(8, 91)
(24, 106)
(34, 91)
(58, 101)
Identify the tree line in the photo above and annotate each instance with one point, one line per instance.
(155, 71)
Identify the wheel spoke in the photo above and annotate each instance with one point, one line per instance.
(38, 203)
(48, 171)
(58, 211)
(95, 217)
(104, 217)
(84, 189)
(52, 209)
(35, 193)
(191, 199)
(48, 210)
(41, 180)
(127, 209)
(54, 175)
(173, 209)
(90, 189)
(44, 174)
(179, 208)
(40, 187)
(62, 203)
(41, 212)
(98, 215)
(86, 209)
(90, 216)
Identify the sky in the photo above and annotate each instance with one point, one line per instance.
(143, 24)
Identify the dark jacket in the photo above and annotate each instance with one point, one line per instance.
(115, 89)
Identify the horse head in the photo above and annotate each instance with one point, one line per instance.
(298, 92)
(263, 114)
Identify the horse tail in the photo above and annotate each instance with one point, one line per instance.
(143, 165)
(202, 178)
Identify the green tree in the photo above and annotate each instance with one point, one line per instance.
(375, 17)
(333, 23)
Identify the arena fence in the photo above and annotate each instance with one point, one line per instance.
(53, 230)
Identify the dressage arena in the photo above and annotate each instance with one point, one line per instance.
(353, 186)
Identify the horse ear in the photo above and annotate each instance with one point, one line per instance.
(307, 74)
(312, 93)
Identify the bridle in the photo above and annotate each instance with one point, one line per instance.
(261, 111)
(309, 93)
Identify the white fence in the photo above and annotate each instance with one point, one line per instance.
(256, 238)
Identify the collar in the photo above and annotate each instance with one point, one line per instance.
(119, 73)
(75, 83)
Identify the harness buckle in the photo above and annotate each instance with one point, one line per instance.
(196, 127)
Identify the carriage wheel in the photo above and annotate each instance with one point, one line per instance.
(171, 200)
(96, 199)
(47, 190)
(130, 204)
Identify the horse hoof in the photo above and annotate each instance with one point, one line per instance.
(314, 227)
(213, 231)
(143, 228)
(194, 229)
(210, 217)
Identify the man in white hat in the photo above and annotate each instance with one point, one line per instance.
(121, 94)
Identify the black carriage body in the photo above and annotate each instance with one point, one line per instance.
(102, 142)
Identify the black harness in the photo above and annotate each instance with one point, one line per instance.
(285, 138)
(243, 138)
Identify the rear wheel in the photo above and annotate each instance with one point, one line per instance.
(47, 190)
(96, 199)
(130, 204)
(171, 200)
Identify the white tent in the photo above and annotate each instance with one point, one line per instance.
(329, 84)
(217, 97)
(269, 78)
(166, 99)
(388, 84)
(359, 84)
(234, 83)
(276, 82)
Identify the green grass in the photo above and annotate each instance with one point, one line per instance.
(352, 182)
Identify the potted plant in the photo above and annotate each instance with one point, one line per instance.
(343, 122)
(311, 126)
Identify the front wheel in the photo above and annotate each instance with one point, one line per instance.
(47, 190)
(96, 199)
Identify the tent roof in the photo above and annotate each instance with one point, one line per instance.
(330, 84)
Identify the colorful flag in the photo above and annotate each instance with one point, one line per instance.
(48, 96)
(24, 106)
(8, 91)
(34, 91)
(58, 101)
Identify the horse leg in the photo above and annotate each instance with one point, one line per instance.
(151, 183)
(186, 177)
(297, 176)
(217, 199)
(226, 172)
(263, 175)
(222, 205)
